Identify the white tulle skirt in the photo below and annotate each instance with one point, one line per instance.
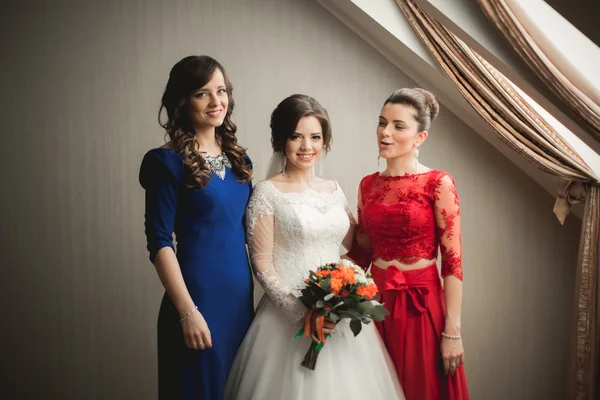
(267, 365)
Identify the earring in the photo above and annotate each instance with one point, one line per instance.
(416, 155)
(378, 160)
(283, 163)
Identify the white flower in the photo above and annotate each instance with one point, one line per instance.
(346, 263)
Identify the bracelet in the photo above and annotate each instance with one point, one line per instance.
(188, 314)
(451, 337)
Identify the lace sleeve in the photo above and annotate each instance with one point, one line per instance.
(447, 215)
(260, 223)
(360, 249)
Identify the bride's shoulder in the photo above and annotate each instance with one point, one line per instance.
(262, 198)
(263, 186)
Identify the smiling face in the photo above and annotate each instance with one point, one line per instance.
(303, 149)
(208, 105)
(397, 131)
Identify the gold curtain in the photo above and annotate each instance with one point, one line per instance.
(577, 102)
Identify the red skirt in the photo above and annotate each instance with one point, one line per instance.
(412, 332)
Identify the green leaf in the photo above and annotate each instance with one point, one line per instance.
(379, 313)
(320, 304)
(356, 326)
(353, 313)
(334, 317)
(367, 306)
(349, 302)
(382, 309)
(329, 297)
(341, 303)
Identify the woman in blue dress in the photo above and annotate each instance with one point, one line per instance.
(197, 186)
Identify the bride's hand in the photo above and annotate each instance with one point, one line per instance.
(328, 326)
(196, 333)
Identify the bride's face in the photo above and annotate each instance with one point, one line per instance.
(303, 149)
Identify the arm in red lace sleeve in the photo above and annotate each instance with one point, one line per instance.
(447, 215)
(360, 250)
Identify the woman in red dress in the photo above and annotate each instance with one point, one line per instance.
(405, 214)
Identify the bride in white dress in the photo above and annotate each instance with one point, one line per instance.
(296, 222)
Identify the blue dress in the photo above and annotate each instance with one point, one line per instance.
(208, 224)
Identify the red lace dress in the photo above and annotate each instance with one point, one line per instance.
(407, 218)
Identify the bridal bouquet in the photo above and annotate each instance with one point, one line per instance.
(338, 290)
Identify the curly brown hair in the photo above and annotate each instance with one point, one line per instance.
(185, 78)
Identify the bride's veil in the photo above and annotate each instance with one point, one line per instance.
(275, 164)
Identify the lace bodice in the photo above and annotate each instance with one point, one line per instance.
(290, 234)
(406, 218)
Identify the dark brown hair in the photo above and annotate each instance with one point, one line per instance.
(289, 112)
(186, 77)
(423, 101)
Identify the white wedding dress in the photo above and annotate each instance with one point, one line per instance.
(288, 235)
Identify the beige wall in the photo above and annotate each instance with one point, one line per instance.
(81, 84)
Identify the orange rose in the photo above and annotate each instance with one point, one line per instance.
(323, 273)
(336, 285)
(368, 292)
(348, 275)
